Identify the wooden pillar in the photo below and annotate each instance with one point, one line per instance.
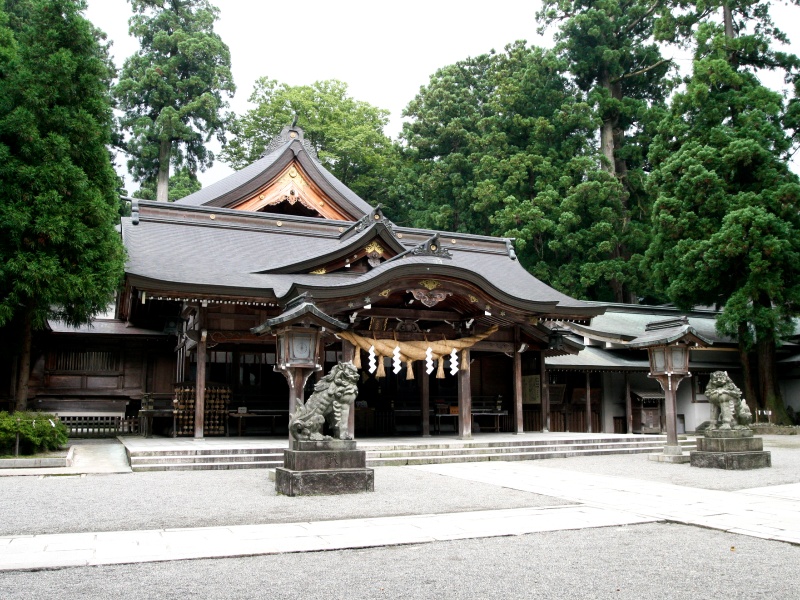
(424, 398)
(464, 399)
(200, 379)
(545, 393)
(519, 425)
(348, 353)
(628, 407)
(588, 403)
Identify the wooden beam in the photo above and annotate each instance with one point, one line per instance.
(402, 313)
(200, 379)
(348, 353)
(628, 407)
(424, 393)
(588, 403)
(484, 346)
(545, 393)
(464, 399)
(519, 425)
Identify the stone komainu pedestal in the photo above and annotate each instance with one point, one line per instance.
(732, 449)
(319, 468)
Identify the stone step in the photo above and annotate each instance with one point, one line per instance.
(200, 466)
(365, 445)
(207, 451)
(516, 448)
(403, 453)
(457, 458)
(206, 458)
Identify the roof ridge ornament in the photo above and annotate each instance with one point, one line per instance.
(431, 247)
(375, 216)
(288, 134)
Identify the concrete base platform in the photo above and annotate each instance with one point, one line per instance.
(732, 461)
(324, 482)
(733, 450)
(669, 458)
(323, 468)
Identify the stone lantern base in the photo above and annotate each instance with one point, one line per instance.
(732, 449)
(324, 468)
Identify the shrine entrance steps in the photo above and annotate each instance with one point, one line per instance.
(165, 454)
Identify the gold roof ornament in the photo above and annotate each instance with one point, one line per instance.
(429, 284)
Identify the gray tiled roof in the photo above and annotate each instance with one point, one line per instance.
(103, 327)
(630, 322)
(182, 247)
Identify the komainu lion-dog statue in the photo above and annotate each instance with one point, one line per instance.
(330, 403)
(727, 399)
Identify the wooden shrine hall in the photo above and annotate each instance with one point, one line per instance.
(272, 275)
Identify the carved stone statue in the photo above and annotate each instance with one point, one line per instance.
(330, 403)
(726, 398)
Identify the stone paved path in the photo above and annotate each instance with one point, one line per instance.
(770, 512)
(86, 549)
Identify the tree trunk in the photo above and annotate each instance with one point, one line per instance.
(770, 392)
(607, 130)
(747, 372)
(162, 185)
(24, 364)
(727, 17)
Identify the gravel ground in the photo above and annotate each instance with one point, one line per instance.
(785, 468)
(654, 561)
(178, 499)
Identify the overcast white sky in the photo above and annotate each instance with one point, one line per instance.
(383, 49)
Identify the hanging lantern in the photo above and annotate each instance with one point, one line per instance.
(297, 347)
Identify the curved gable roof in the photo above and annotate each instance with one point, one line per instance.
(290, 145)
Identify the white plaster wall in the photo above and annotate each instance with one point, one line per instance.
(613, 399)
(790, 390)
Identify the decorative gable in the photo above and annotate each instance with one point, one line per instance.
(292, 192)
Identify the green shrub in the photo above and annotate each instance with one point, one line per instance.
(37, 432)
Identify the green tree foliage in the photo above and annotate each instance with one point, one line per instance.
(347, 134)
(611, 50)
(181, 184)
(36, 432)
(502, 144)
(726, 222)
(60, 256)
(171, 91)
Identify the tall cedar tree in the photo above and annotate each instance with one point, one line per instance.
(171, 90)
(612, 52)
(502, 144)
(60, 256)
(726, 221)
(347, 134)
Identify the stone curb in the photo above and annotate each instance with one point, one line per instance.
(34, 463)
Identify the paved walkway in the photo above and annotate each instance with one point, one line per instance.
(771, 513)
(768, 512)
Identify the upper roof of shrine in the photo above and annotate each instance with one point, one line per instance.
(287, 179)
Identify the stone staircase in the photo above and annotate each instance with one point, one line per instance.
(416, 454)
(206, 459)
(400, 453)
